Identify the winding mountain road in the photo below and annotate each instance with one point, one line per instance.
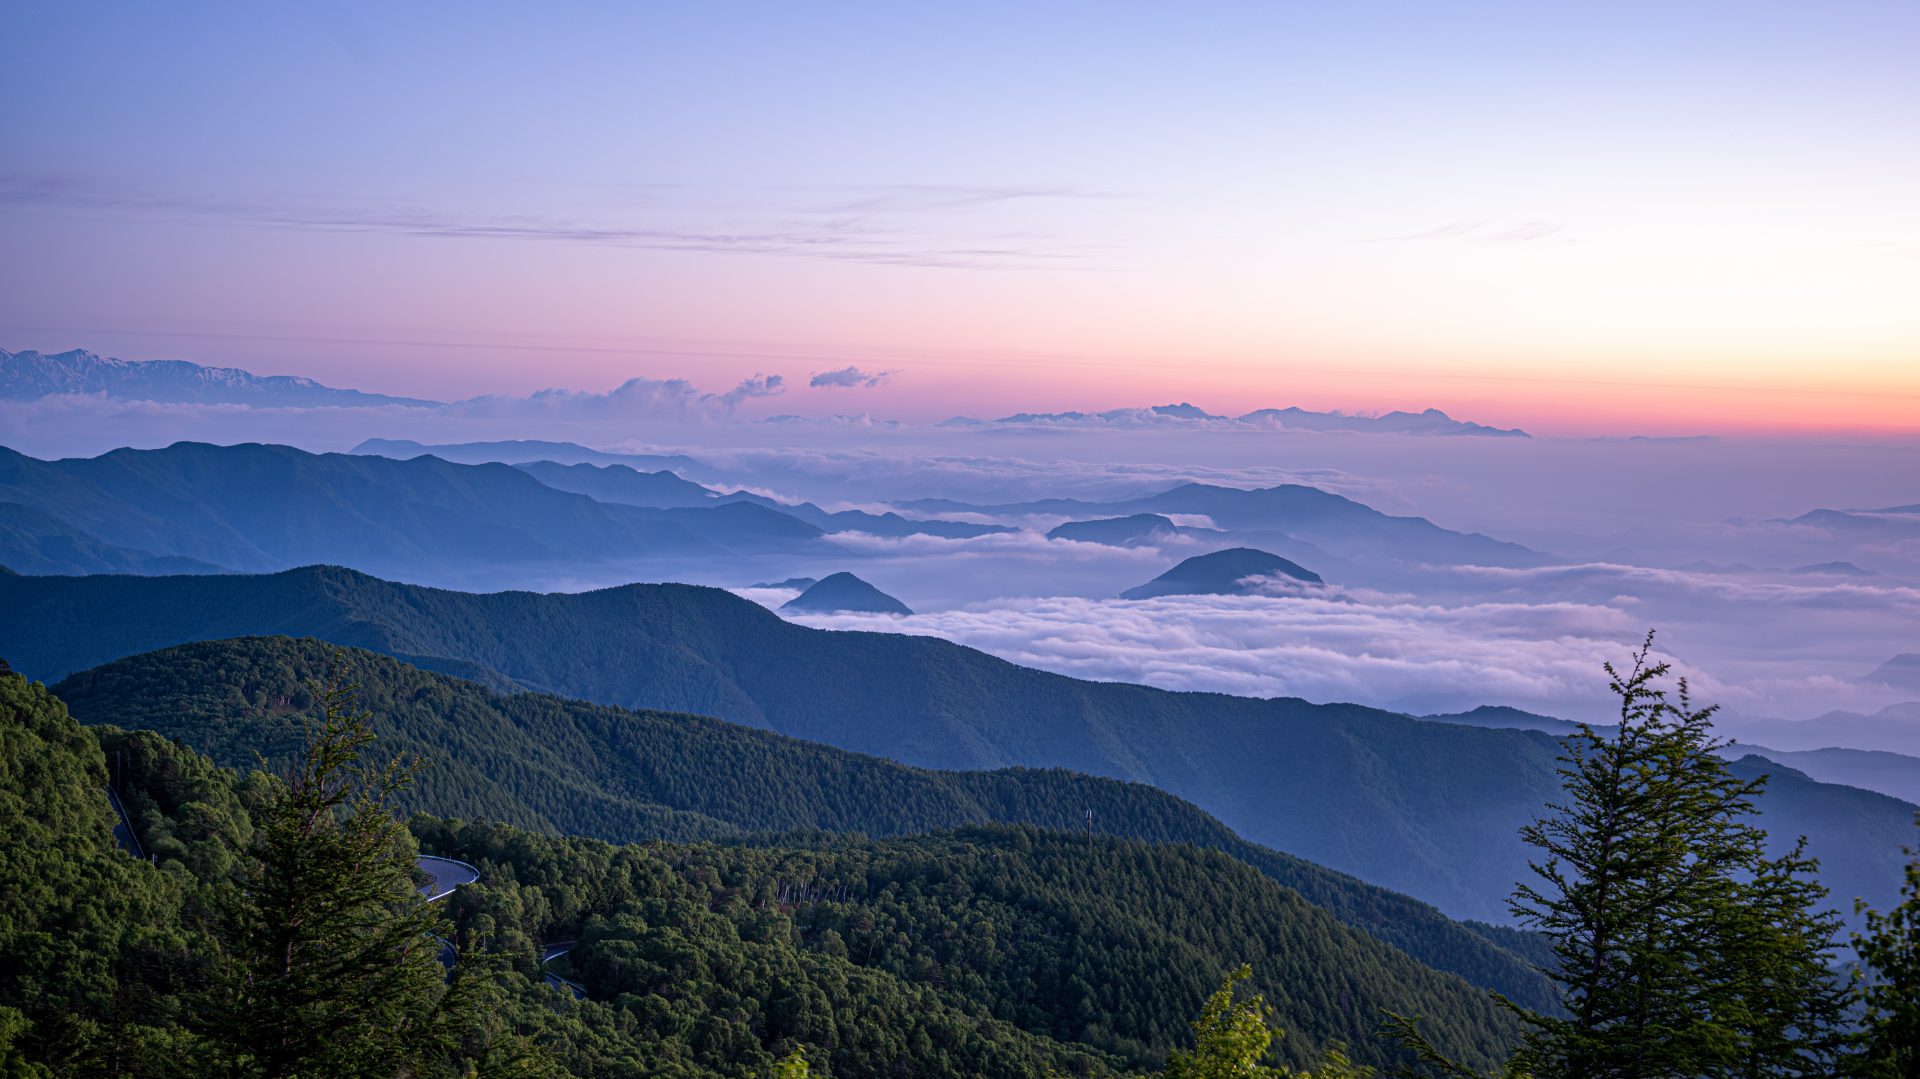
(447, 874)
(552, 952)
(451, 873)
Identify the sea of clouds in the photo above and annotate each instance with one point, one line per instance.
(1696, 538)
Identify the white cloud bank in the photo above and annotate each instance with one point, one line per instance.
(1755, 645)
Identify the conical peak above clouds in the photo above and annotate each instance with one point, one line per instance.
(1902, 672)
(1236, 571)
(845, 592)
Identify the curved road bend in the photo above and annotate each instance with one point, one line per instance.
(552, 952)
(447, 875)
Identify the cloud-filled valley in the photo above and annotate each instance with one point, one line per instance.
(1775, 586)
(1745, 645)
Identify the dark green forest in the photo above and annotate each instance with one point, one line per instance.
(267, 923)
(1000, 951)
(566, 767)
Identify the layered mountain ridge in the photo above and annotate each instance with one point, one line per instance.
(1437, 815)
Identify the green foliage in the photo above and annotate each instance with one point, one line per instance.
(1231, 1038)
(1889, 952)
(1100, 946)
(1682, 948)
(792, 1066)
(563, 766)
(1429, 1060)
(94, 951)
(275, 929)
(1003, 952)
(330, 960)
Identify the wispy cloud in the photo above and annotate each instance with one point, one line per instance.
(796, 233)
(939, 198)
(1492, 232)
(848, 377)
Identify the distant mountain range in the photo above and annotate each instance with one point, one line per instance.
(1305, 524)
(1895, 774)
(29, 376)
(524, 451)
(1895, 729)
(620, 483)
(1429, 809)
(193, 507)
(1236, 571)
(1887, 522)
(1431, 421)
(255, 507)
(792, 584)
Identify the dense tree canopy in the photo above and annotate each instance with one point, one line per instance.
(554, 765)
(1006, 951)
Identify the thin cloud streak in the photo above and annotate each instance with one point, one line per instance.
(1490, 232)
(845, 239)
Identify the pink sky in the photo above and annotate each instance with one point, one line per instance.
(1577, 219)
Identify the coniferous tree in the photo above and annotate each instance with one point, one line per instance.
(1889, 954)
(1681, 948)
(331, 960)
(1781, 995)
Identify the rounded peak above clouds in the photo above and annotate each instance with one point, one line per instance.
(1235, 571)
(845, 592)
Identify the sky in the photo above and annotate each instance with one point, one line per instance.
(1622, 218)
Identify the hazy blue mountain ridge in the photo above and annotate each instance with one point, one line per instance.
(261, 507)
(1429, 809)
(623, 484)
(1322, 528)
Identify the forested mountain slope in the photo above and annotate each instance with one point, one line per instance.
(563, 766)
(1103, 943)
(1009, 953)
(1430, 809)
